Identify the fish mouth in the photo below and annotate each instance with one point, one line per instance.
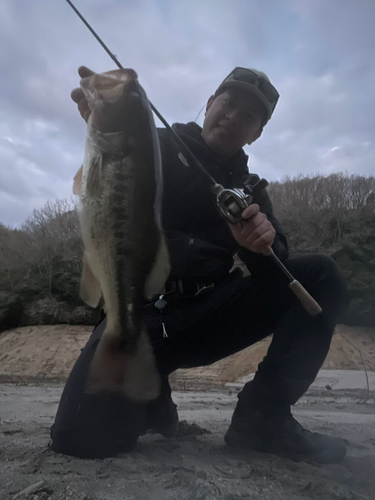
(132, 75)
(112, 86)
(115, 98)
(132, 89)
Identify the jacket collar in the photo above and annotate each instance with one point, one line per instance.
(190, 133)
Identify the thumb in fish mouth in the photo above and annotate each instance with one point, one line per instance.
(78, 96)
(84, 71)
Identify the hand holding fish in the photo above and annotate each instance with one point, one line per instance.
(78, 96)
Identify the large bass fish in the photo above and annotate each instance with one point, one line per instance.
(125, 255)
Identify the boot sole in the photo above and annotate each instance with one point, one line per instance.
(237, 440)
(168, 431)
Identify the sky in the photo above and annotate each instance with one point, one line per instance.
(320, 55)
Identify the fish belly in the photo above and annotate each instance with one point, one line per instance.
(122, 242)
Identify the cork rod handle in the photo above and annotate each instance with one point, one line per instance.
(308, 302)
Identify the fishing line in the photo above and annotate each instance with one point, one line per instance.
(200, 111)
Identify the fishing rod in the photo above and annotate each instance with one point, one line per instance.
(230, 202)
(161, 118)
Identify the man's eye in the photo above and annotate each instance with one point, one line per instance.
(251, 117)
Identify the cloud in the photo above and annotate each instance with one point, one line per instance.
(315, 114)
(318, 54)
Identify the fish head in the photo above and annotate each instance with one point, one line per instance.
(114, 99)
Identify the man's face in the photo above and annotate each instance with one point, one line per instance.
(233, 119)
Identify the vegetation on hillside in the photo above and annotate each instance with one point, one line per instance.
(334, 215)
(40, 263)
(40, 267)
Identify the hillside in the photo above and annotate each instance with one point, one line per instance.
(38, 353)
(40, 263)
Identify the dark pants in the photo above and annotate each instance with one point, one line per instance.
(203, 330)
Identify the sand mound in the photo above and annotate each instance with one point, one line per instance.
(49, 352)
(348, 344)
(41, 352)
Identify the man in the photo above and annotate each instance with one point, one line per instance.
(210, 312)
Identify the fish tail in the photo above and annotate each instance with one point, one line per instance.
(142, 379)
(116, 368)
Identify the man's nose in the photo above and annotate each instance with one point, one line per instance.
(233, 115)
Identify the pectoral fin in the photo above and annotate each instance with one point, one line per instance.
(94, 175)
(90, 290)
(77, 184)
(160, 271)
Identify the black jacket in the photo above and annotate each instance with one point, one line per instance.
(200, 243)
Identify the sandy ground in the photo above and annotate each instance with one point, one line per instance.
(197, 465)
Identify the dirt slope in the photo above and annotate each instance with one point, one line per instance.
(49, 352)
(348, 344)
(41, 352)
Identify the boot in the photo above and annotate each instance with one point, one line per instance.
(274, 430)
(161, 414)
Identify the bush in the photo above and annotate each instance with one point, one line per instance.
(40, 264)
(11, 310)
(334, 215)
(50, 311)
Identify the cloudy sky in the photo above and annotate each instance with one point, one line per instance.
(320, 54)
